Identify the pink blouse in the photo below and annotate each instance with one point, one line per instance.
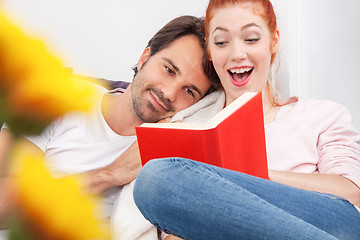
(314, 136)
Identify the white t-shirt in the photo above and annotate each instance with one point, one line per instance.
(79, 142)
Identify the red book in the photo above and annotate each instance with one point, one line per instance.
(234, 138)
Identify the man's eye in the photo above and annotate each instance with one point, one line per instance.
(190, 92)
(170, 71)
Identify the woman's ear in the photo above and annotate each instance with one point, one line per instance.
(275, 42)
(143, 58)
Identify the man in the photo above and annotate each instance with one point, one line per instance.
(170, 76)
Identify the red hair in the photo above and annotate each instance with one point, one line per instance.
(267, 14)
(266, 11)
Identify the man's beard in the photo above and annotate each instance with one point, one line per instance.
(143, 109)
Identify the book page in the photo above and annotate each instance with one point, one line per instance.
(177, 125)
(232, 107)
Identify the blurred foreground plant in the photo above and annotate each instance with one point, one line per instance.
(52, 208)
(34, 86)
(35, 89)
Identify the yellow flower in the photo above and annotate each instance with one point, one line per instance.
(35, 88)
(55, 208)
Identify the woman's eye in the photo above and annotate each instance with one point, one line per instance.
(170, 71)
(190, 92)
(220, 43)
(252, 40)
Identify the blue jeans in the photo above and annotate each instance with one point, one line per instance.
(193, 200)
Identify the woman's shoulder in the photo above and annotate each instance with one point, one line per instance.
(316, 107)
(314, 112)
(311, 102)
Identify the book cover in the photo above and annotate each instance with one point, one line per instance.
(233, 139)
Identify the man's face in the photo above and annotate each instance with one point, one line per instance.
(171, 80)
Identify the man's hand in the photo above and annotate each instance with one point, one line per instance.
(172, 237)
(122, 171)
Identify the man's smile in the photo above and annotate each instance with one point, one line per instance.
(158, 102)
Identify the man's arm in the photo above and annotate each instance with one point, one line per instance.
(172, 237)
(7, 199)
(120, 172)
(6, 140)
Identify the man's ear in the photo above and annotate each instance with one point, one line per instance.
(143, 58)
(275, 42)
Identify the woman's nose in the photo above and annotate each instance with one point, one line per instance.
(238, 52)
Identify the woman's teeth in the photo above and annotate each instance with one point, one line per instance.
(240, 70)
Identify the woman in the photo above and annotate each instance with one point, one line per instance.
(313, 152)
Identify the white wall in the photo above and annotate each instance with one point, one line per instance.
(334, 57)
(103, 38)
(319, 54)
(321, 50)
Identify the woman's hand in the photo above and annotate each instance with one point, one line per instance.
(320, 182)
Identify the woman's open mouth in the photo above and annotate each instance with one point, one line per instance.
(240, 76)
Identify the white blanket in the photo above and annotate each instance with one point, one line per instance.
(127, 223)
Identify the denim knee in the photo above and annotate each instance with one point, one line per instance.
(149, 182)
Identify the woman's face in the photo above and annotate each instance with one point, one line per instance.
(240, 46)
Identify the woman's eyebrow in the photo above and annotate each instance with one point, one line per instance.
(242, 28)
(250, 25)
(220, 29)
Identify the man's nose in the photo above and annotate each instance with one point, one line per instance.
(171, 90)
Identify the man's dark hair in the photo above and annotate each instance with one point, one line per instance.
(179, 27)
